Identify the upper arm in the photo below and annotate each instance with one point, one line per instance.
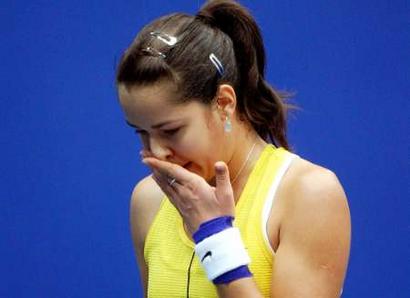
(145, 201)
(313, 252)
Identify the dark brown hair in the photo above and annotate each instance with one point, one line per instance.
(226, 29)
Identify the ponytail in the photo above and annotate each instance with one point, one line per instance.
(258, 102)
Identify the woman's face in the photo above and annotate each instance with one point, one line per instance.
(189, 134)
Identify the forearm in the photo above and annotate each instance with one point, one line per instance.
(244, 287)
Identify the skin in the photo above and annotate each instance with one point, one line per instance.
(309, 225)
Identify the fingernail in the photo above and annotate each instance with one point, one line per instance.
(219, 167)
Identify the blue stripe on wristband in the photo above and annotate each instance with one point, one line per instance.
(212, 227)
(240, 272)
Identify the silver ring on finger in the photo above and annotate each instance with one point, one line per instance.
(172, 181)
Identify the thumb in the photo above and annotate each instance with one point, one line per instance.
(221, 175)
(223, 189)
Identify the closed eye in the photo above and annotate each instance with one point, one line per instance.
(171, 132)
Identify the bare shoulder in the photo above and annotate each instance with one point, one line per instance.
(146, 199)
(311, 196)
(314, 233)
(309, 185)
(316, 215)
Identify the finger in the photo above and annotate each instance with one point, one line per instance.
(182, 175)
(167, 184)
(176, 193)
(222, 181)
(161, 179)
(157, 176)
(163, 182)
(222, 175)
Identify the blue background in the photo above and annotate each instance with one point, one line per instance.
(68, 161)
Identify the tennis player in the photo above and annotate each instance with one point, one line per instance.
(229, 210)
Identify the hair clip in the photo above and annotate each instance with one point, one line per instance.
(218, 65)
(153, 52)
(168, 39)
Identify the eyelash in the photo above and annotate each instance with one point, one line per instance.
(171, 132)
(168, 132)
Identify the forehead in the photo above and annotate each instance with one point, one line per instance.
(145, 95)
(148, 104)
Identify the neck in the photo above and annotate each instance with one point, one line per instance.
(243, 164)
(243, 161)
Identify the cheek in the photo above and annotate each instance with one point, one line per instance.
(201, 149)
(192, 146)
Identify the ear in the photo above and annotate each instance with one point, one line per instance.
(226, 100)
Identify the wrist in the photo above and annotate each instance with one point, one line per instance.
(212, 227)
(220, 250)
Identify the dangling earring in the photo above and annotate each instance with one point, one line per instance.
(228, 124)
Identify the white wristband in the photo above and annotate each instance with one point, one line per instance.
(222, 252)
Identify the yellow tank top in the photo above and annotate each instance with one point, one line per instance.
(168, 251)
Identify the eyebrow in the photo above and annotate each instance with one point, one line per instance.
(153, 126)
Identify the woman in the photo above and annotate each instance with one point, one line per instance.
(224, 214)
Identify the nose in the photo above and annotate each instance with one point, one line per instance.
(159, 149)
